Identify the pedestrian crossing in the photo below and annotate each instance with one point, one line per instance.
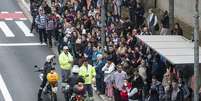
(6, 30)
(10, 33)
(24, 28)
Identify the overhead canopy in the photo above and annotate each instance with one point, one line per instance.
(176, 49)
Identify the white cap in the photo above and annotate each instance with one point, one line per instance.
(75, 69)
(65, 47)
(84, 31)
(49, 57)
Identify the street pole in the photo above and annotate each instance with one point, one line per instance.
(171, 13)
(196, 51)
(103, 25)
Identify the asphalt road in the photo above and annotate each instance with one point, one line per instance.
(18, 55)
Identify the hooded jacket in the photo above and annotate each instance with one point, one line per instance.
(65, 61)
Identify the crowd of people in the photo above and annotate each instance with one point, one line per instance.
(124, 69)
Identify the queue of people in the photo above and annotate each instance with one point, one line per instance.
(124, 69)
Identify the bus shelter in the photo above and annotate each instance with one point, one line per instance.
(175, 49)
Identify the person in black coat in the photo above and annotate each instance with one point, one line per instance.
(34, 13)
(139, 13)
(47, 8)
(165, 24)
(132, 7)
(153, 95)
(138, 83)
(177, 94)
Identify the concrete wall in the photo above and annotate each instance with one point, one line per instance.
(148, 3)
(184, 9)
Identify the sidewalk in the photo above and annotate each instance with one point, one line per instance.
(24, 5)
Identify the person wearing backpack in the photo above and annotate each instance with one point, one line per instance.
(41, 20)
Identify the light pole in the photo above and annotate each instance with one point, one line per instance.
(103, 25)
(171, 13)
(196, 50)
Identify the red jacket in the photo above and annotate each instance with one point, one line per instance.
(124, 93)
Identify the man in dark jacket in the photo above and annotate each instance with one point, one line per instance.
(132, 8)
(139, 13)
(165, 24)
(46, 69)
(47, 8)
(34, 12)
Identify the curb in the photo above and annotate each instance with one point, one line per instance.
(103, 97)
(25, 8)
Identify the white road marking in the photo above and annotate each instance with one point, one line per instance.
(21, 44)
(22, 18)
(18, 12)
(6, 29)
(4, 12)
(4, 90)
(8, 19)
(27, 5)
(24, 28)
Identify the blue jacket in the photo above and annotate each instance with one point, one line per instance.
(88, 51)
(94, 56)
(98, 68)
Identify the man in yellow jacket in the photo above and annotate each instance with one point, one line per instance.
(87, 72)
(66, 62)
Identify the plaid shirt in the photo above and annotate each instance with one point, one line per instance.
(159, 88)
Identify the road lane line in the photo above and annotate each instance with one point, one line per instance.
(21, 44)
(4, 12)
(24, 28)
(27, 5)
(22, 18)
(4, 90)
(6, 30)
(20, 12)
(8, 19)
